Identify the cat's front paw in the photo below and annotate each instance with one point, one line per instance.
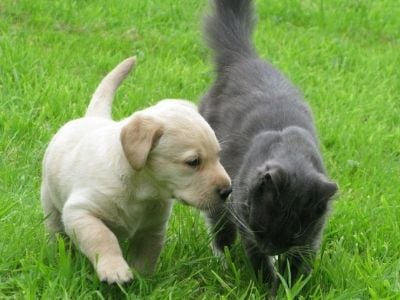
(225, 237)
(113, 270)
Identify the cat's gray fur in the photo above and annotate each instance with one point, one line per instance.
(281, 193)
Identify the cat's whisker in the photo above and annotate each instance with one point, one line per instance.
(241, 224)
(244, 188)
(303, 232)
(234, 203)
(301, 250)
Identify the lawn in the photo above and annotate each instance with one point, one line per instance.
(343, 54)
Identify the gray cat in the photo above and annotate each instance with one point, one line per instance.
(281, 193)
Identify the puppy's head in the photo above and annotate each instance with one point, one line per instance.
(178, 147)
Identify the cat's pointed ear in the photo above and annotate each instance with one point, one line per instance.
(275, 176)
(327, 189)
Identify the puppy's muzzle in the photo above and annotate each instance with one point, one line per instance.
(224, 192)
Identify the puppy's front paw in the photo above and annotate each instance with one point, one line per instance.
(113, 270)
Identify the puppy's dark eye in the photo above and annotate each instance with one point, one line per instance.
(193, 162)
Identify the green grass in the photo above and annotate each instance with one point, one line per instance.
(343, 54)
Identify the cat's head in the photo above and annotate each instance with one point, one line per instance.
(287, 207)
(284, 201)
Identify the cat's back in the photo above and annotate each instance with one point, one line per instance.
(253, 96)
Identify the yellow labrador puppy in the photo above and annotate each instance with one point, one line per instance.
(105, 180)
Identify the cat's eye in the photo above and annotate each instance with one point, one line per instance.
(193, 163)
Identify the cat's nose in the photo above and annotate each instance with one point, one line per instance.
(224, 192)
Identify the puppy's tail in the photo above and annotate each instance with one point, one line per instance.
(100, 105)
(229, 29)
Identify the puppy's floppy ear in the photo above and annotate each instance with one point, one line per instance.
(138, 138)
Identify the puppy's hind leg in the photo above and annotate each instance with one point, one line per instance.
(96, 241)
(222, 228)
(52, 220)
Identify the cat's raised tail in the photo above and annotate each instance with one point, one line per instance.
(228, 31)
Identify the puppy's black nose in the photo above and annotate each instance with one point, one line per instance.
(225, 192)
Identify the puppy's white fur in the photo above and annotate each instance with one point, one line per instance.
(105, 180)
